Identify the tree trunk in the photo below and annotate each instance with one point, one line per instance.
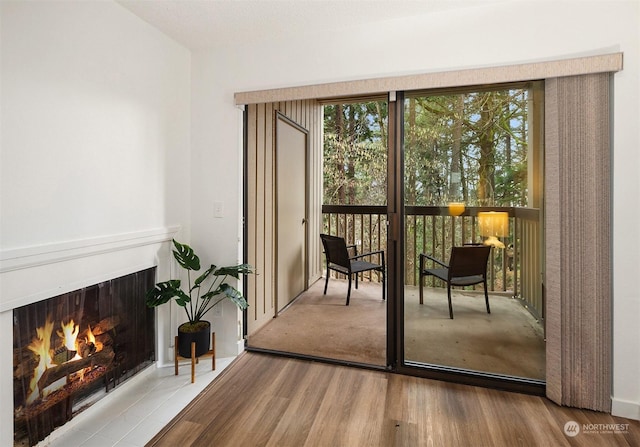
(486, 163)
(456, 177)
(351, 169)
(340, 152)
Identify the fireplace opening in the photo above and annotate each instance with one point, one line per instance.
(72, 349)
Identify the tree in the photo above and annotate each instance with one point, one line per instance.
(355, 148)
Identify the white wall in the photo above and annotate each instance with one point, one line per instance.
(95, 120)
(96, 113)
(496, 35)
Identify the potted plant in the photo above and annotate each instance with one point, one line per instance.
(201, 295)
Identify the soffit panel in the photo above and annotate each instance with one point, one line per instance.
(445, 79)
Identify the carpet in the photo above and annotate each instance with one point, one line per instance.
(508, 341)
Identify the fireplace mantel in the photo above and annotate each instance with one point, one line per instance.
(21, 268)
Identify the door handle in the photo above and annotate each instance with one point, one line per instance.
(392, 226)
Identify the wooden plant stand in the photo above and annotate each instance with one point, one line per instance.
(194, 359)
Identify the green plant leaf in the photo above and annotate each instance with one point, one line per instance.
(234, 270)
(182, 299)
(234, 295)
(199, 304)
(163, 292)
(186, 256)
(203, 277)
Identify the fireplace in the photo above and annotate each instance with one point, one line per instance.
(69, 350)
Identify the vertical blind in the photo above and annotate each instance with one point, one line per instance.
(578, 240)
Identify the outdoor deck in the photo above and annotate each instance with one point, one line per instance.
(515, 270)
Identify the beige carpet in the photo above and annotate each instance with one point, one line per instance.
(321, 325)
(508, 341)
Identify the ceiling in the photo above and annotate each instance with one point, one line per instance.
(200, 24)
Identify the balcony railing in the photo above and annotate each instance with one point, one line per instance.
(516, 270)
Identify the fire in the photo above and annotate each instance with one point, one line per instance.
(92, 339)
(40, 346)
(47, 357)
(69, 334)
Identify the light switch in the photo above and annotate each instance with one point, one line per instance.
(218, 209)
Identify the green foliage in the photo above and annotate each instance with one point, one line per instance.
(469, 147)
(355, 148)
(211, 282)
(186, 257)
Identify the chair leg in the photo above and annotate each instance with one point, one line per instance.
(349, 290)
(326, 282)
(449, 297)
(421, 276)
(175, 354)
(356, 280)
(486, 297)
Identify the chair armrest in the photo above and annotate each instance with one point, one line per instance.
(424, 257)
(371, 253)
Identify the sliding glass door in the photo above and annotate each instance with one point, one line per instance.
(470, 184)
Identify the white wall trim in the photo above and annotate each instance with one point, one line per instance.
(625, 409)
(38, 255)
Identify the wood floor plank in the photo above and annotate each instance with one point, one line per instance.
(260, 414)
(334, 417)
(296, 422)
(184, 433)
(263, 400)
(367, 418)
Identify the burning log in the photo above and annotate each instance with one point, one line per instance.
(23, 363)
(86, 348)
(102, 358)
(34, 411)
(63, 354)
(105, 325)
(88, 343)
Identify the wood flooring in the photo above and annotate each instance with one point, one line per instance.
(264, 400)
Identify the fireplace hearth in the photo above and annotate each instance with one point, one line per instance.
(73, 348)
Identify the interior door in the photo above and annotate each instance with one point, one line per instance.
(291, 210)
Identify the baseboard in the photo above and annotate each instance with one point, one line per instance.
(625, 409)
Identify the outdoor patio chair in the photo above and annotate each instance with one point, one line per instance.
(338, 259)
(467, 266)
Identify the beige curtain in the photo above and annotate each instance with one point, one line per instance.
(578, 281)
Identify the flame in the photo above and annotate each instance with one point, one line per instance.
(92, 339)
(40, 346)
(70, 335)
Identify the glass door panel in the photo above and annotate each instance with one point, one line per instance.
(470, 177)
